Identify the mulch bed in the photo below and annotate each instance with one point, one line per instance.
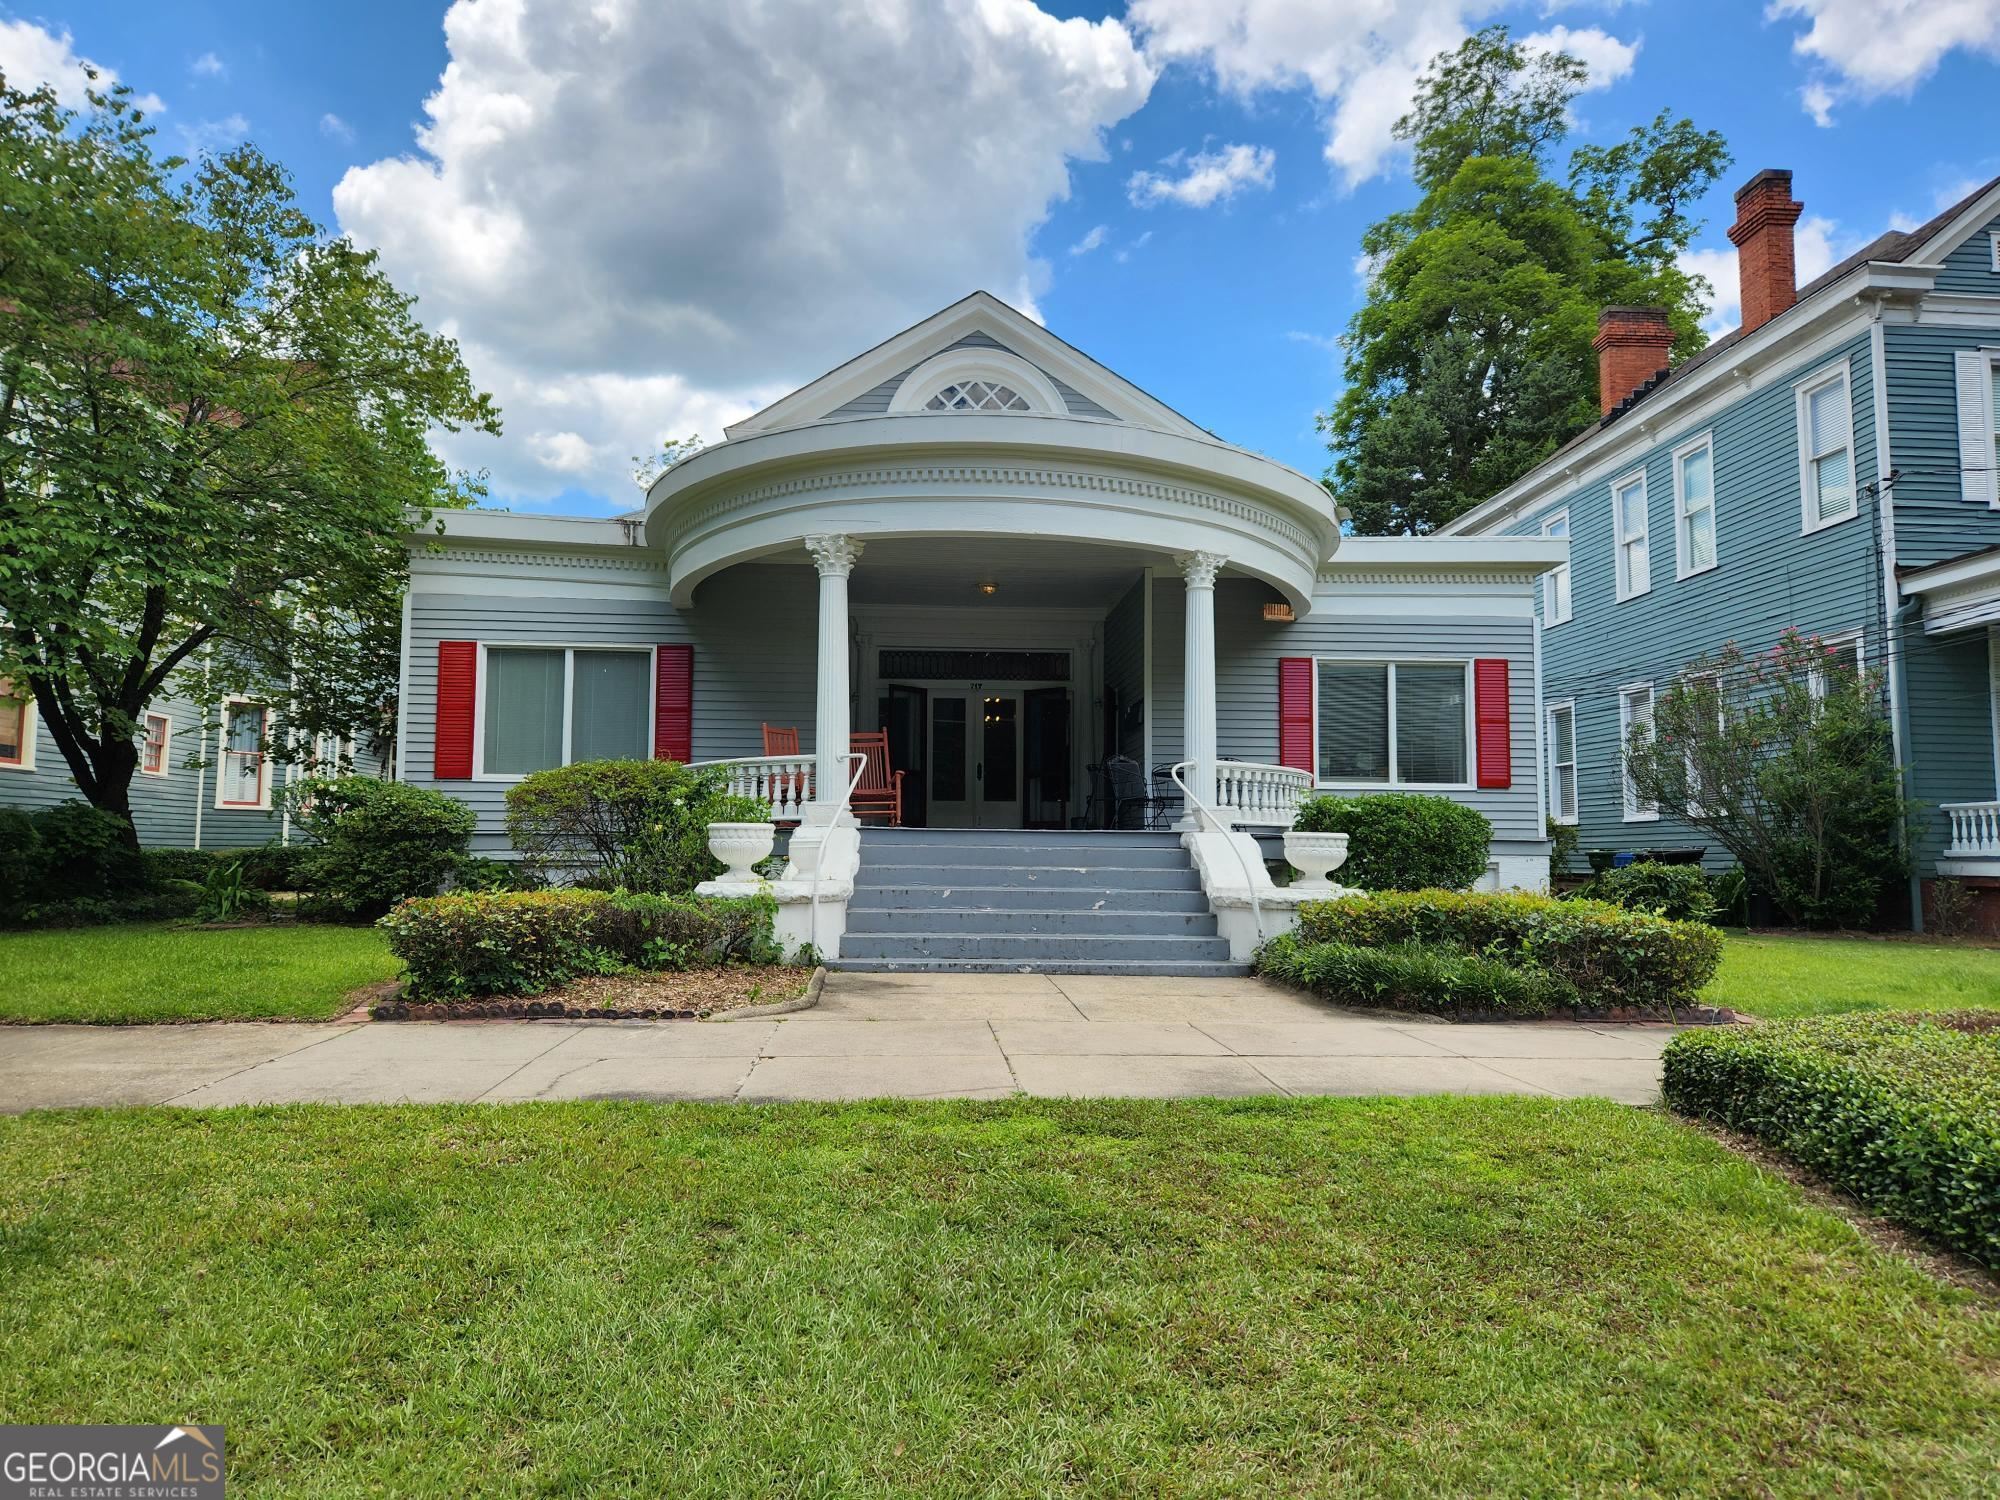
(685, 995)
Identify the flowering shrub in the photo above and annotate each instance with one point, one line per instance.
(1903, 1111)
(524, 942)
(1610, 956)
(639, 825)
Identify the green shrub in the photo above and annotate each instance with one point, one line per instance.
(377, 842)
(524, 942)
(477, 873)
(1730, 891)
(227, 895)
(1434, 980)
(20, 857)
(1403, 841)
(1903, 1111)
(276, 867)
(636, 825)
(1676, 891)
(166, 900)
(177, 864)
(1563, 841)
(1611, 956)
(85, 854)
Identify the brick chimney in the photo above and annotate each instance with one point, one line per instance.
(1762, 234)
(1632, 345)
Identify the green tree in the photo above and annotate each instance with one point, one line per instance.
(1784, 759)
(1470, 359)
(214, 424)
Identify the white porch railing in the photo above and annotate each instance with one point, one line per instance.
(1259, 795)
(1975, 830)
(784, 783)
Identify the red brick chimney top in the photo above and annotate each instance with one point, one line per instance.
(1762, 234)
(1632, 346)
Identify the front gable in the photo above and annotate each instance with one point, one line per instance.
(1966, 247)
(979, 339)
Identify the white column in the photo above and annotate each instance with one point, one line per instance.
(1198, 698)
(835, 557)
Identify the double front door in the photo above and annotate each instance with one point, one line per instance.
(985, 755)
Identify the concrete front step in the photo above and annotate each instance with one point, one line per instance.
(1087, 922)
(1035, 838)
(1029, 948)
(1038, 897)
(1181, 968)
(1026, 856)
(1057, 877)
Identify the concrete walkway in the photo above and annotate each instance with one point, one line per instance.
(908, 1036)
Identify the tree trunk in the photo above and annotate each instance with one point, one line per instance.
(102, 766)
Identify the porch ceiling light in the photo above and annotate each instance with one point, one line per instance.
(988, 589)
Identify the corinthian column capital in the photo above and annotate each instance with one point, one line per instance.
(1200, 568)
(834, 556)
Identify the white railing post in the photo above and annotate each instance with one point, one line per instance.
(1975, 830)
(1263, 795)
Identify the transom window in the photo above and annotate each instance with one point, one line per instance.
(555, 705)
(1393, 723)
(977, 395)
(1826, 451)
(153, 747)
(1555, 582)
(1562, 762)
(1628, 510)
(17, 727)
(1694, 506)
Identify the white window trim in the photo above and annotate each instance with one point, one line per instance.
(1683, 533)
(263, 802)
(1392, 784)
(1721, 715)
(1802, 393)
(976, 362)
(166, 742)
(569, 650)
(1633, 809)
(1816, 679)
(1550, 710)
(1549, 579)
(29, 727)
(1993, 241)
(1619, 539)
(1993, 418)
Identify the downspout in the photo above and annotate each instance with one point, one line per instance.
(201, 728)
(1893, 618)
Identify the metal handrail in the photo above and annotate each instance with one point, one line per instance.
(1203, 810)
(819, 865)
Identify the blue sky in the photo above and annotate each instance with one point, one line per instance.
(643, 220)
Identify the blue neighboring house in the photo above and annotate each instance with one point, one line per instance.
(1828, 466)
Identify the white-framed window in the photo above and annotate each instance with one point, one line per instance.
(244, 775)
(1843, 654)
(544, 706)
(1635, 710)
(1562, 762)
(155, 744)
(1628, 516)
(1696, 682)
(1694, 506)
(330, 755)
(1555, 582)
(1976, 372)
(17, 728)
(1993, 243)
(1393, 723)
(1826, 449)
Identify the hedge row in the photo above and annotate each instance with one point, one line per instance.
(1609, 956)
(1435, 981)
(524, 942)
(1903, 1111)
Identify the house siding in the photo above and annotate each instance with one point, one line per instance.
(1933, 520)
(1770, 575)
(1969, 268)
(1125, 668)
(1952, 753)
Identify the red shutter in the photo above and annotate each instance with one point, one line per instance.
(1295, 713)
(1489, 715)
(458, 674)
(673, 703)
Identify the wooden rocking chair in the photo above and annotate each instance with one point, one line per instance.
(781, 741)
(879, 793)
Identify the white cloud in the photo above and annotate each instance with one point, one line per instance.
(1090, 241)
(1889, 46)
(1204, 178)
(1606, 57)
(1818, 101)
(719, 248)
(1328, 343)
(334, 128)
(1903, 223)
(32, 55)
(208, 65)
(213, 135)
(1817, 245)
(1358, 58)
(1959, 187)
(1132, 249)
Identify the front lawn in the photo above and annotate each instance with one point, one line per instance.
(162, 972)
(1405, 1297)
(1782, 975)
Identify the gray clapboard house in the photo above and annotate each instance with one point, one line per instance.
(1078, 617)
(1828, 466)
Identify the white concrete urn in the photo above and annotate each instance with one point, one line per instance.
(1314, 855)
(740, 846)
